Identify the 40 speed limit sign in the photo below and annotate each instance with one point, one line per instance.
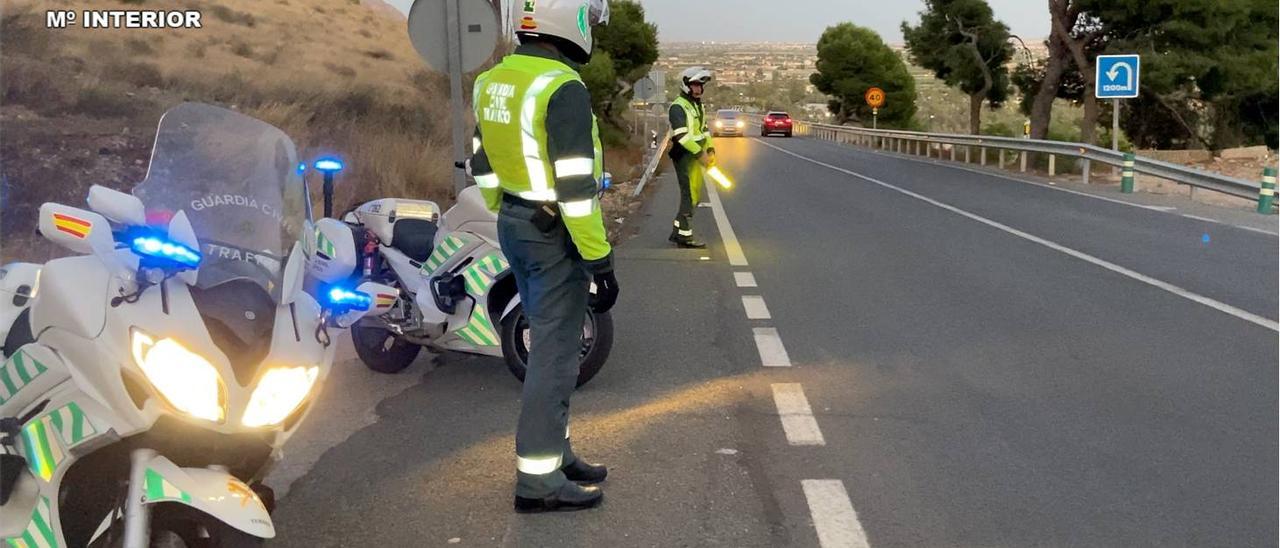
(875, 97)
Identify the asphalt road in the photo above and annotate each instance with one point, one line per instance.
(973, 361)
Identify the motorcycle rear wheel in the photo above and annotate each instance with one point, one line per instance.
(597, 342)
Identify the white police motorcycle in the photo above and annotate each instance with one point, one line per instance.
(150, 382)
(457, 291)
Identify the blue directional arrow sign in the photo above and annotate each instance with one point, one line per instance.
(1117, 76)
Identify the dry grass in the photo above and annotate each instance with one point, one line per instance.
(80, 107)
(70, 121)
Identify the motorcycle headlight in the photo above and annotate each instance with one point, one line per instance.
(280, 391)
(183, 378)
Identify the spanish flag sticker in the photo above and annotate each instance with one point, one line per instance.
(384, 300)
(526, 23)
(74, 226)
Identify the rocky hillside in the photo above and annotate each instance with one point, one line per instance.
(79, 106)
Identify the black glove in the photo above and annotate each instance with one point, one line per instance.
(606, 293)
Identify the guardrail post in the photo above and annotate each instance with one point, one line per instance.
(1023, 154)
(928, 148)
(1126, 175)
(953, 153)
(1000, 151)
(1052, 157)
(1267, 193)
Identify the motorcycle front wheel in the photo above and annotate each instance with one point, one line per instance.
(382, 350)
(178, 526)
(597, 341)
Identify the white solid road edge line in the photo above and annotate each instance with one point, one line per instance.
(1258, 230)
(772, 353)
(1199, 218)
(744, 279)
(731, 246)
(755, 307)
(796, 415)
(833, 515)
(1194, 297)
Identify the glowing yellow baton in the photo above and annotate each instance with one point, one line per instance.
(719, 177)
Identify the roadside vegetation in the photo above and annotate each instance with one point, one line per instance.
(1209, 74)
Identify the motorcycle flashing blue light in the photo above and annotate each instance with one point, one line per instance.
(328, 165)
(302, 167)
(352, 300)
(156, 247)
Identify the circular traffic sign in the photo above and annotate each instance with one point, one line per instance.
(477, 26)
(875, 97)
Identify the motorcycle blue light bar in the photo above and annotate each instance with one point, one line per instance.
(355, 300)
(328, 165)
(159, 248)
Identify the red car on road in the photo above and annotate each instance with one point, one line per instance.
(775, 123)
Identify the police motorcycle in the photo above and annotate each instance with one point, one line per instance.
(150, 382)
(457, 291)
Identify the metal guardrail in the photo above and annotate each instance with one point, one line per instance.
(652, 165)
(912, 142)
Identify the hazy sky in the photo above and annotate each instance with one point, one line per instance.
(804, 20)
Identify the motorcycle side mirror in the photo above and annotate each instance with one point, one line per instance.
(78, 230)
(117, 206)
(335, 255)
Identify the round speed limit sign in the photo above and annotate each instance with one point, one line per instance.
(875, 97)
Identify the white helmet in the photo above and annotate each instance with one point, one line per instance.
(694, 75)
(567, 23)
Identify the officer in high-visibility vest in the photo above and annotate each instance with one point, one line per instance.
(691, 151)
(538, 162)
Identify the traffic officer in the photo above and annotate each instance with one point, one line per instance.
(538, 161)
(692, 151)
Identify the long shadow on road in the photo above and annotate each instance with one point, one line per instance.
(673, 413)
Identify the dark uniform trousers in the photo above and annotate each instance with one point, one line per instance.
(689, 177)
(554, 287)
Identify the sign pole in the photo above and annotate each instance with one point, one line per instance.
(1115, 128)
(453, 26)
(875, 118)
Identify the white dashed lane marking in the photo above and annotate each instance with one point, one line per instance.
(744, 279)
(772, 352)
(797, 417)
(833, 515)
(755, 307)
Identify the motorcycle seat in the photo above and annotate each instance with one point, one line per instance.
(414, 237)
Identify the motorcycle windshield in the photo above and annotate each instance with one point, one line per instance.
(238, 182)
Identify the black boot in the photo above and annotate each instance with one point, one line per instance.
(585, 473)
(568, 498)
(690, 242)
